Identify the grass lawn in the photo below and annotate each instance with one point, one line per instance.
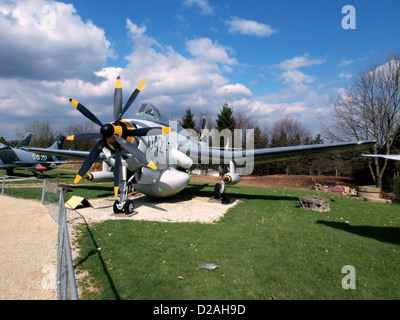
(267, 247)
(32, 188)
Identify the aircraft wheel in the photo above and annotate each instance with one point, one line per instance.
(217, 191)
(115, 208)
(129, 207)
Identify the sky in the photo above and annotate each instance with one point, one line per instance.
(269, 59)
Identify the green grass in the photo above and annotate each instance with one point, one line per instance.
(85, 188)
(266, 247)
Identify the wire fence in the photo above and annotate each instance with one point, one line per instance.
(53, 199)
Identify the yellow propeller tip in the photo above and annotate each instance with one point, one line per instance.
(166, 130)
(152, 165)
(140, 86)
(74, 103)
(116, 189)
(71, 138)
(77, 178)
(118, 84)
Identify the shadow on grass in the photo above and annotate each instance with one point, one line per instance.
(96, 251)
(206, 190)
(383, 234)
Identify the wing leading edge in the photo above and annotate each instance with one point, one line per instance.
(260, 156)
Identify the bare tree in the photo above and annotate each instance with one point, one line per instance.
(245, 121)
(289, 132)
(369, 109)
(78, 128)
(44, 134)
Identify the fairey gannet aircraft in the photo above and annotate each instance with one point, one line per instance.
(149, 152)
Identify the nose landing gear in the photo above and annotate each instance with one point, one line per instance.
(127, 208)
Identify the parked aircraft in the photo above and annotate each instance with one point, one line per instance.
(11, 157)
(384, 156)
(151, 154)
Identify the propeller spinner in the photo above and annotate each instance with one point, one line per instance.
(115, 133)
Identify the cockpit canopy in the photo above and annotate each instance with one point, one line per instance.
(148, 110)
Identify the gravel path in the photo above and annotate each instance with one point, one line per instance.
(28, 236)
(180, 208)
(28, 251)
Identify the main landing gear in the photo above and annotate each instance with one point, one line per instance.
(219, 193)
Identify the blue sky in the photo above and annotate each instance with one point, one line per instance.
(269, 59)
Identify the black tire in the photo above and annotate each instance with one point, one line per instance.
(217, 191)
(115, 208)
(129, 207)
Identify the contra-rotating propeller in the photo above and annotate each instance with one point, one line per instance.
(115, 133)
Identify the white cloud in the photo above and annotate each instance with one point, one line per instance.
(134, 30)
(249, 27)
(67, 68)
(299, 62)
(45, 39)
(296, 76)
(345, 75)
(205, 50)
(205, 7)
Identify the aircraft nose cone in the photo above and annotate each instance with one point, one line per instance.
(107, 130)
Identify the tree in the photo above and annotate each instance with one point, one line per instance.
(188, 121)
(369, 109)
(245, 121)
(43, 133)
(289, 132)
(79, 128)
(225, 120)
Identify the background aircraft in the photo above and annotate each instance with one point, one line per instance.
(150, 154)
(11, 158)
(384, 156)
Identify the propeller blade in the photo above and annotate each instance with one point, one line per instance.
(131, 99)
(89, 160)
(150, 131)
(117, 99)
(203, 127)
(85, 136)
(117, 171)
(86, 112)
(135, 152)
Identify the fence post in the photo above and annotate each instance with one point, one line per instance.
(4, 185)
(70, 263)
(43, 190)
(64, 256)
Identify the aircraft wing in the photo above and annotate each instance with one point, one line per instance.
(216, 156)
(68, 153)
(386, 156)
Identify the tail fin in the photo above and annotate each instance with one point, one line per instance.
(25, 141)
(58, 144)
